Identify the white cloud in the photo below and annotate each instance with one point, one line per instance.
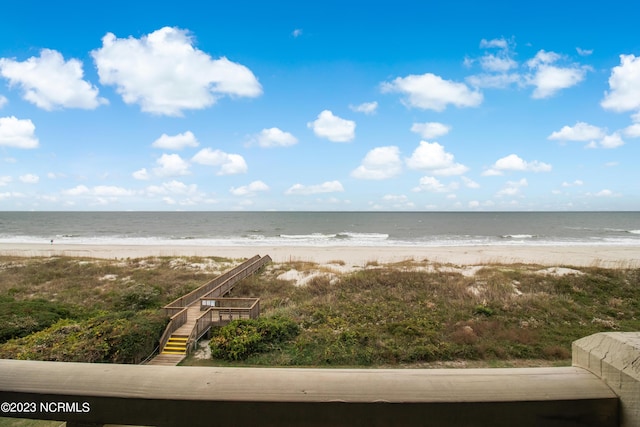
(433, 185)
(428, 91)
(333, 127)
(51, 82)
(249, 190)
(549, 79)
(172, 187)
(111, 191)
(379, 163)
(30, 178)
(297, 32)
(165, 74)
(580, 132)
(433, 157)
(584, 52)
(141, 174)
(230, 164)
(469, 183)
(498, 81)
(632, 131)
(575, 183)
(17, 133)
(513, 162)
(4, 180)
(171, 165)
(430, 130)
(612, 141)
(500, 43)
(274, 137)
(365, 107)
(326, 187)
(176, 142)
(3, 101)
(77, 191)
(512, 188)
(604, 193)
(496, 66)
(624, 85)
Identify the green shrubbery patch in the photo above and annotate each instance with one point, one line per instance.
(242, 338)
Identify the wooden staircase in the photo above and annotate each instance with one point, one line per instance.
(177, 344)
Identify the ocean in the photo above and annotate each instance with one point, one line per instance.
(322, 228)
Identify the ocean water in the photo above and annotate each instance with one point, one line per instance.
(323, 228)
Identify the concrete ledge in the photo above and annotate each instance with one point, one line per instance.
(615, 358)
(177, 396)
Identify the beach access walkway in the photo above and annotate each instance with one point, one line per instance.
(192, 315)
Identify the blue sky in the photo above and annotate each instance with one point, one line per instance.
(401, 105)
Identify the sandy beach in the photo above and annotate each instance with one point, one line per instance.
(602, 256)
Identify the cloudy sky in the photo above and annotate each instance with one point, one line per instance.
(334, 105)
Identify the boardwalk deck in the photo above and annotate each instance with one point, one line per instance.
(191, 319)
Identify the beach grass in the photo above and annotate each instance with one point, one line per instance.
(411, 313)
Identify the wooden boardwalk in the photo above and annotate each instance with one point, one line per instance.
(192, 315)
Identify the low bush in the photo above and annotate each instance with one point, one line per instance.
(242, 338)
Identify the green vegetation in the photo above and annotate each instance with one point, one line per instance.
(409, 314)
(243, 338)
(386, 316)
(72, 309)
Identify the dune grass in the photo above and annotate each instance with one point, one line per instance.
(406, 314)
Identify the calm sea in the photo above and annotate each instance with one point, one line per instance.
(323, 228)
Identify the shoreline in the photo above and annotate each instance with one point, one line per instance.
(580, 255)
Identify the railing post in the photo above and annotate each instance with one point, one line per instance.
(615, 358)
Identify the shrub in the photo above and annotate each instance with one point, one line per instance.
(242, 338)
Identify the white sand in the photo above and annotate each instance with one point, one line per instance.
(603, 256)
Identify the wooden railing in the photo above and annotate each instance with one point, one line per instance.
(203, 290)
(221, 285)
(175, 322)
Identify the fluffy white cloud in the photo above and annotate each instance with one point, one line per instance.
(305, 190)
(30, 178)
(430, 130)
(333, 127)
(171, 165)
(433, 185)
(624, 85)
(428, 91)
(575, 183)
(580, 132)
(500, 43)
(99, 191)
(141, 174)
(584, 52)
(512, 188)
(4, 180)
(379, 163)
(17, 133)
(165, 74)
(230, 164)
(274, 137)
(51, 82)
(172, 187)
(365, 107)
(176, 142)
(513, 162)
(633, 131)
(612, 141)
(548, 79)
(3, 101)
(498, 81)
(249, 190)
(469, 183)
(431, 156)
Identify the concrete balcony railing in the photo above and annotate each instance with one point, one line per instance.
(602, 388)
